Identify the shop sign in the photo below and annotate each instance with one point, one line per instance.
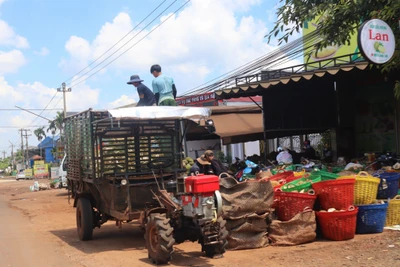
(196, 100)
(376, 41)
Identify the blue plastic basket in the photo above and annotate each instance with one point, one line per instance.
(389, 184)
(371, 218)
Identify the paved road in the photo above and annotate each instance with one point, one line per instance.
(20, 246)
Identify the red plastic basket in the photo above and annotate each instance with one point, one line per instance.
(288, 204)
(338, 194)
(280, 176)
(338, 226)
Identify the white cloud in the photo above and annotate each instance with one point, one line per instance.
(11, 61)
(44, 51)
(122, 101)
(188, 46)
(2, 1)
(10, 38)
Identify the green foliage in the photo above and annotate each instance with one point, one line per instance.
(39, 133)
(57, 123)
(4, 163)
(341, 19)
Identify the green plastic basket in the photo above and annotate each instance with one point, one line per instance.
(301, 184)
(325, 176)
(294, 167)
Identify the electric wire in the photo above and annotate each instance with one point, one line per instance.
(75, 82)
(109, 49)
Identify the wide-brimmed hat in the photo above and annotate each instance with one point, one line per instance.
(202, 160)
(135, 79)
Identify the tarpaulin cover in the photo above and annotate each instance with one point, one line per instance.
(161, 112)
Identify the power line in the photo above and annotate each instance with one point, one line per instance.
(83, 75)
(31, 109)
(116, 42)
(133, 44)
(45, 107)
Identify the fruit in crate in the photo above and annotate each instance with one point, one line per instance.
(188, 163)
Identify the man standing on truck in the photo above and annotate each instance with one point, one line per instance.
(163, 87)
(146, 96)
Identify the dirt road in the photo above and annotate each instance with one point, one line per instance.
(39, 228)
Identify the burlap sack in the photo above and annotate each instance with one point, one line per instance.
(248, 232)
(245, 198)
(299, 230)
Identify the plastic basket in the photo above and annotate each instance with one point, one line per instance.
(280, 176)
(338, 226)
(288, 204)
(301, 184)
(393, 212)
(371, 218)
(338, 194)
(326, 175)
(389, 184)
(365, 189)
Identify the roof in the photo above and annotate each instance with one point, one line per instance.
(255, 84)
(48, 141)
(233, 124)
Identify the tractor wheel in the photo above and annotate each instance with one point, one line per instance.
(159, 238)
(218, 249)
(84, 219)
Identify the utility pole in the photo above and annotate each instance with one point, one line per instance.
(26, 135)
(12, 155)
(64, 89)
(22, 145)
(4, 154)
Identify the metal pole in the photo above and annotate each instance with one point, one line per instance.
(64, 89)
(65, 104)
(22, 146)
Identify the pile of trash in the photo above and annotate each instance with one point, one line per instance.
(38, 186)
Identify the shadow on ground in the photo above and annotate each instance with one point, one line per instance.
(130, 237)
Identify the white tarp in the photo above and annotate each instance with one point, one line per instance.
(161, 112)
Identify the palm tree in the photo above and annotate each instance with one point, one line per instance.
(39, 133)
(57, 123)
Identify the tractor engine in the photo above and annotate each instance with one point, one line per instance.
(202, 199)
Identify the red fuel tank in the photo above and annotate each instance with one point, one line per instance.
(202, 184)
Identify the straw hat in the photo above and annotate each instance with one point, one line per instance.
(202, 160)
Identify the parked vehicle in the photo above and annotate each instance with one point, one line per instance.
(62, 172)
(21, 175)
(126, 165)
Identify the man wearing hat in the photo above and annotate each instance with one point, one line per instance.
(207, 164)
(146, 96)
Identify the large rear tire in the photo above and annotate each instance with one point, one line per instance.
(218, 249)
(159, 238)
(84, 219)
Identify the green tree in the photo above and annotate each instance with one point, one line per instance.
(39, 133)
(341, 20)
(57, 123)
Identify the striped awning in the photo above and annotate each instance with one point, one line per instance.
(295, 77)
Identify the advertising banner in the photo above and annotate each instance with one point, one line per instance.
(331, 51)
(41, 171)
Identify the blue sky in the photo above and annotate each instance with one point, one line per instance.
(45, 42)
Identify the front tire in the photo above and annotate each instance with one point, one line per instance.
(218, 249)
(159, 238)
(84, 219)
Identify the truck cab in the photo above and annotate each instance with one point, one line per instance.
(62, 172)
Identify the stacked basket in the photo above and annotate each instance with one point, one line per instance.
(338, 216)
(372, 214)
(388, 189)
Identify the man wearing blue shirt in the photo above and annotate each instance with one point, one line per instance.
(163, 87)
